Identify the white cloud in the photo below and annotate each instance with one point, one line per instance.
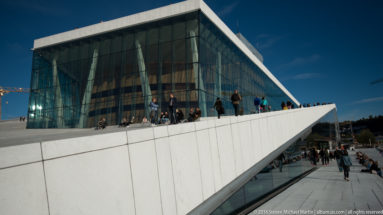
(228, 9)
(304, 76)
(368, 100)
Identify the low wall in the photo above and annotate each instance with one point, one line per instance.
(158, 170)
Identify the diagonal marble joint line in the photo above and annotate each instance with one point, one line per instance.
(306, 199)
(381, 205)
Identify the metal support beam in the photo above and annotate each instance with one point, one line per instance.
(218, 78)
(146, 91)
(88, 90)
(198, 75)
(58, 96)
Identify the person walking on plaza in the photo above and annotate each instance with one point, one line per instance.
(153, 111)
(346, 163)
(257, 104)
(172, 108)
(264, 104)
(219, 107)
(321, 154)
(235, 99)
(313, 156)
(326, 156)
(280, 159)
(338, 157)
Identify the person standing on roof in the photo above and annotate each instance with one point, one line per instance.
(219, 107)
(172, 108)
(235, 99)
(257, 104)
(264, 104)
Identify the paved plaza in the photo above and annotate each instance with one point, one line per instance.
(326, 190)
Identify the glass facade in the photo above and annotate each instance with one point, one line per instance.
(273, 176)
(116, 74)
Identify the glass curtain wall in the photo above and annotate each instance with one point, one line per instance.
(115, 75)
(225, 68)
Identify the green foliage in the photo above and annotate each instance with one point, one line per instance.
(365, 137)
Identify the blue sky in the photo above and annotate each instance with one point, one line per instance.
(321, 50)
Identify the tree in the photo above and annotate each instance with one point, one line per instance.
(365, 137)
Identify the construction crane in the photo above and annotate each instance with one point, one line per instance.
(5, 90)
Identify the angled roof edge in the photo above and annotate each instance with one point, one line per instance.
(153, 15)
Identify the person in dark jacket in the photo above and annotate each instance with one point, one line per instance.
(322, 155)
(219, 107)
(313, 156)
(235, 99)
(197, 113)
(338, 156)
(288, 104)
(172, 108)
(346, 163)
(257, 104)
(283, 105)
(101, 123)
(179, 115)
(191, 115)
(280, 159)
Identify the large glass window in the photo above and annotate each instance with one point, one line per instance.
(116, 74)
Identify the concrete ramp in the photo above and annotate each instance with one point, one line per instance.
(175, 169)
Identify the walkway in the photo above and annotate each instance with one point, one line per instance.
(326, 190)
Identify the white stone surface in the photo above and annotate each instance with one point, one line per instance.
(146, 184)
(140, 135)
(226, 153)
(237, 147)
(205, 162)
(94, 183)
(21, 154)
(181, 128)
(166, 179)
(215, 159)
(60, 148)
(163, 170)
(160, 131)
(186, 172)
(22, 190)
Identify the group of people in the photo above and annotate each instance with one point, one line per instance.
(325, 155)
(370, 165)
(315, 156)
(288, 105)
(261, 105)
(175, 115)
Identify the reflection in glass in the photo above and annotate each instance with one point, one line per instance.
(115, 74)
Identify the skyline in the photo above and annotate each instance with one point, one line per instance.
(313, 66)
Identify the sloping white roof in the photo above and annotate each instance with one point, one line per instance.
(153, 15)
